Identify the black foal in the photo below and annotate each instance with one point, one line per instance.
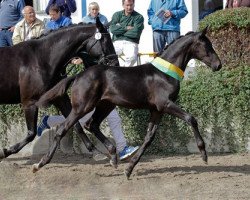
(153, 86)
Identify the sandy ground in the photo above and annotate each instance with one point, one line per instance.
(76, 177)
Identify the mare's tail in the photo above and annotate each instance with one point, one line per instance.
(58, 90)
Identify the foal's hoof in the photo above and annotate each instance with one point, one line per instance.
(2, 155)
(35, 168)
(113, 161)
(127, 173)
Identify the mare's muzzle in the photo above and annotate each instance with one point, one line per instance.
(111, 60)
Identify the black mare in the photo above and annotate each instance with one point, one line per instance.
(141, 87)
(29, 69)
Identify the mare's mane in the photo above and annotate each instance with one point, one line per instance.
(50, 32)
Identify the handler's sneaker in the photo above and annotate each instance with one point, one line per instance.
(127, 152)
(43, 125)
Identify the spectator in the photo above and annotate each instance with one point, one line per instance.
(66, 7)
(10, 14)
(209, 8)
(165, 33)
(114, 120)
(57, 20)
(126, 27)
(93, 10)
(237, 3)
(29, 27)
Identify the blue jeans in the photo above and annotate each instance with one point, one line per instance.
(5, 38)
(162, 38)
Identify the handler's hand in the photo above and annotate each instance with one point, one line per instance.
(168, 13)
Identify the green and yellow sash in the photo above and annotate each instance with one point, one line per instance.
(168, 68)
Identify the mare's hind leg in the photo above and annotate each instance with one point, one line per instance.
(31, 113)
(64, 105)
(151, 130)
(174, 110)
(93, 125)
(61, 131)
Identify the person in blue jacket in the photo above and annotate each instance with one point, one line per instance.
(164, 30)
(10, 14)
(57, 20)
(66, 6)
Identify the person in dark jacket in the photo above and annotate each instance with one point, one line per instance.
(209, 7)
(66, 6)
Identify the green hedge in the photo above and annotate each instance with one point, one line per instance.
(239, 17)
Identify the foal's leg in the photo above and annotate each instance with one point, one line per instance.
(31, 113)
(61, 131)
(151, 130)
(64, 105)
(93, 125)
(174, 110)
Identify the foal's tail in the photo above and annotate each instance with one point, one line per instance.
(58, 90)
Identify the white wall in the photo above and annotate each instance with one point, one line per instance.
(108, 8)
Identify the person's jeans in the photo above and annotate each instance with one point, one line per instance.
(5, 38)
(114, 122)
(162, 38)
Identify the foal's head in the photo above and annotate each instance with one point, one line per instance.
(193, 45)
(203, 50)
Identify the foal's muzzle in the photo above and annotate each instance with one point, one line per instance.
(216, 66)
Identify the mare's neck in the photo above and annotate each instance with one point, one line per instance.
(64, 46)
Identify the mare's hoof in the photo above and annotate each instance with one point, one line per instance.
(2, 155)
(127, 173)
(35, 168)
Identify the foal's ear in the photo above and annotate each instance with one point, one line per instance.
(99, 25)
(204, 31)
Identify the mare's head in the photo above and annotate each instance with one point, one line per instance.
(66, 42)
(101, 47)
(194, 45)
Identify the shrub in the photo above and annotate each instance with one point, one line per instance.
(229, 31)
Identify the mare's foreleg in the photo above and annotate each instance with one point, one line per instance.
(93, 125)
(61, 131)
(151, 130)
(64, 105)
(174, 110)
(31, 113)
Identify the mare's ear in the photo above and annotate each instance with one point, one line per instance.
(99, 25)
